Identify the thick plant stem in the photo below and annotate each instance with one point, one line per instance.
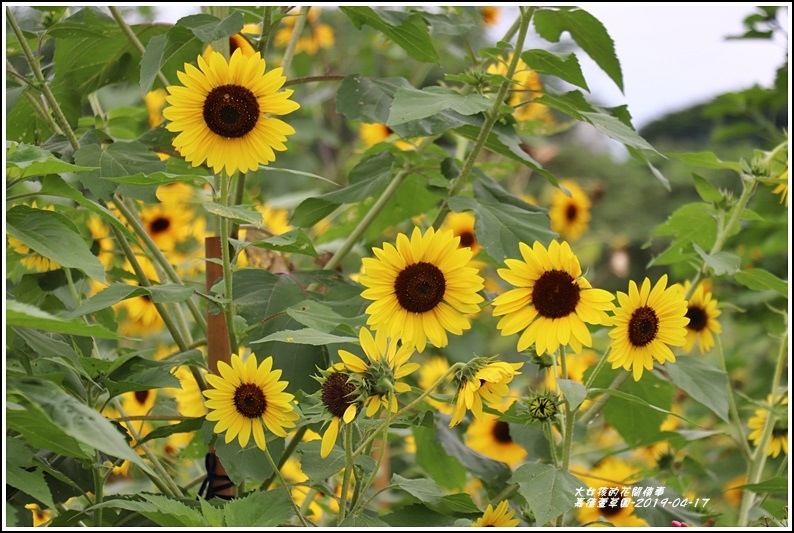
(277, 472)
(297, 29)
(347, 474)
(603, 399)
(383, 450)
(227, 266)
(125, 28)
(491, 117)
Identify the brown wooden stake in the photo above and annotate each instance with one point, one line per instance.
(218, 348)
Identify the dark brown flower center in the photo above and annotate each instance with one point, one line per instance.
(571, 212)
(698, 319)
(467, 239)
(555, 294)
(643, 326)
(249, 399)
(609, 510)
(141, 396)
(231, 111)
(501, 432)
(336, 391)
(420, 287)
(159, 225)
(780, 428)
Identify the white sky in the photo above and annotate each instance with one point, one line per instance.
(673, 55)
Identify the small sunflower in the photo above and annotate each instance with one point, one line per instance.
(702, 313)
(338, 395)
(570, 215)
(491, 437)
(498, 517)
(167, 225)
(385, 365)
(553, 302)
(611, 473)
(482, 380)
(647, 323)
(321, 35)
(422, 288)
(245, 398)
(372, 134)
(222, 112)
(526, 88)
(779, 440)
(462, 225)
(429, 372)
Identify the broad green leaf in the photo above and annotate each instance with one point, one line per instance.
(318, 468)
(638, 408)
(117, 292)
(705, 160)
(617, 130)
(490, 472)
(238, 213)
(79, 421)
(318, 316)
(413, 104)
(242, 464)
(706, 191)
(162, 510)
(139, 374)
(759, 279)
(306, 336)
(24, 161)
(587, 31)
(564, 66)
(158, 178)
(168, 53)
(27, 316)
(185, 426)
(188, 516)
(703, 382)
(548, 491)
(259, 509)
(425, 490)
(408, 30)
(361, 520)
(213, 514)
(55, 237)
(39, 431)
(208, 28)
(30, 481)
(118, 160)
(720, 263)
(775, 485)
(573, 391)
(664, 509)
(293, 241)
(419, 517)
(431, 457)
(691, 223)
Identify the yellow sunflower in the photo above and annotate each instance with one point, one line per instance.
(385, 363)
(498, 517)
(647, 323)
(491, 437)
(237, 41)
(781, 187)
(732, 494)
(167, 225)
(526, 88)
(155, 102)
(553, 302)
(702, 313)
(372, 134)
(482, 381)
(102, 240)
(140, 315)
(462, 225)
(245, 398)
(292, 473)
(490, 15)
(320, 35)
(570, 215)
(618, 509)
(422, 288)
(779, 440)
(429, 372)
(222, 113)
(340, 398)
(40, 516)
(31, 259)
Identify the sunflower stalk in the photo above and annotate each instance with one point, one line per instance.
(286, 487)
(228, 308)
(570, 415)
(490, 117)
(127, 31)
(740, 438)
(297, 29)
(349, 456)
(599, 404)
(99, 492)
(288, 450)
(267, 29)
(382, 453)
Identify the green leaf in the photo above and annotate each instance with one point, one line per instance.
(168, 53)
(259, 509)
(564, 66)
(706, 191)
(162, 510)
(419, 517)
(55, 237)
(703, 382)
(238, 213)
(30, 481)
(490, 472)
(412, 104)
(28, 316)
(445, 469)
(720, 263)
(185, 426)
(425, 490)
(318, 468)
(213, 515)
(775, 485)
(138, 374)
(293, 241)
(208, 28)
(318, 316)
(407, 30)
(24, 161)
(639, 407)
(573, 391)
(306, 336)
(116, 292)
(247, 463)
(617, 130)
(118, 160)
(548, 491)
(39, 431)
(691, 223)
(705, 160)
(759, 279)
(587, 31)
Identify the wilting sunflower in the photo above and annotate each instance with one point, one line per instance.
(570, 215)
(499, 517)
(385, 365)
(491, 437)
(40, 516)
(482, 380)
(553, 302)
(247, 397)
(222, 112)
(702, 313)
(422, 288)
(779, 440)
(610, 473)
(339, 395)
(647, 323)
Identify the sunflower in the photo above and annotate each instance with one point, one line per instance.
(40, 516)
(245, 397)
(610, 473)
(570, 215)
(779, 440)
(781, 186)
(102, 245)
(553, 302)
(385, 366)
(429, 372)
(482, 380)
(647, 321)
(372, 134)
(732, 494)
(491, 437)
(167, 225)
(139, 403)
(31, 259)
(221, 112)
(300, 489)
(189, 402)
(462, 225)
(422, 288)
(155, 102)
(141, 316)
(320, 35)
(499, 517)
(490, 15)
(702, 313)
(340, 398)
(526, 88)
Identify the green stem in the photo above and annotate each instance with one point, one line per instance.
(491, 117)
(552, 445)
(740, 437)
(758, 461)
(99, 493)
(41, 112)
(297, 29)
(567, 440)
(228, 310)
(264, 36)
(221, 45)
(286, 487)
(597, 405)
(597, 369)
(293, 443)
(60, 118)
(348, 471)
(125, 28)
(384, 442)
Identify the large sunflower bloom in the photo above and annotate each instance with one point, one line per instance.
(553, 302)
(247, 397)
(422, 288)
(490, 382)
(498, 517)
(221, 112)
(779, 440)
(569, 215)
(647, 323)
(702, 313)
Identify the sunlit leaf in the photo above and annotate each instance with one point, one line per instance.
(28, 316)
(24, 161)
(413, 104)
(270, 508)
(638, 408)
(759, 279)
(564, 66)
(705, 160)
